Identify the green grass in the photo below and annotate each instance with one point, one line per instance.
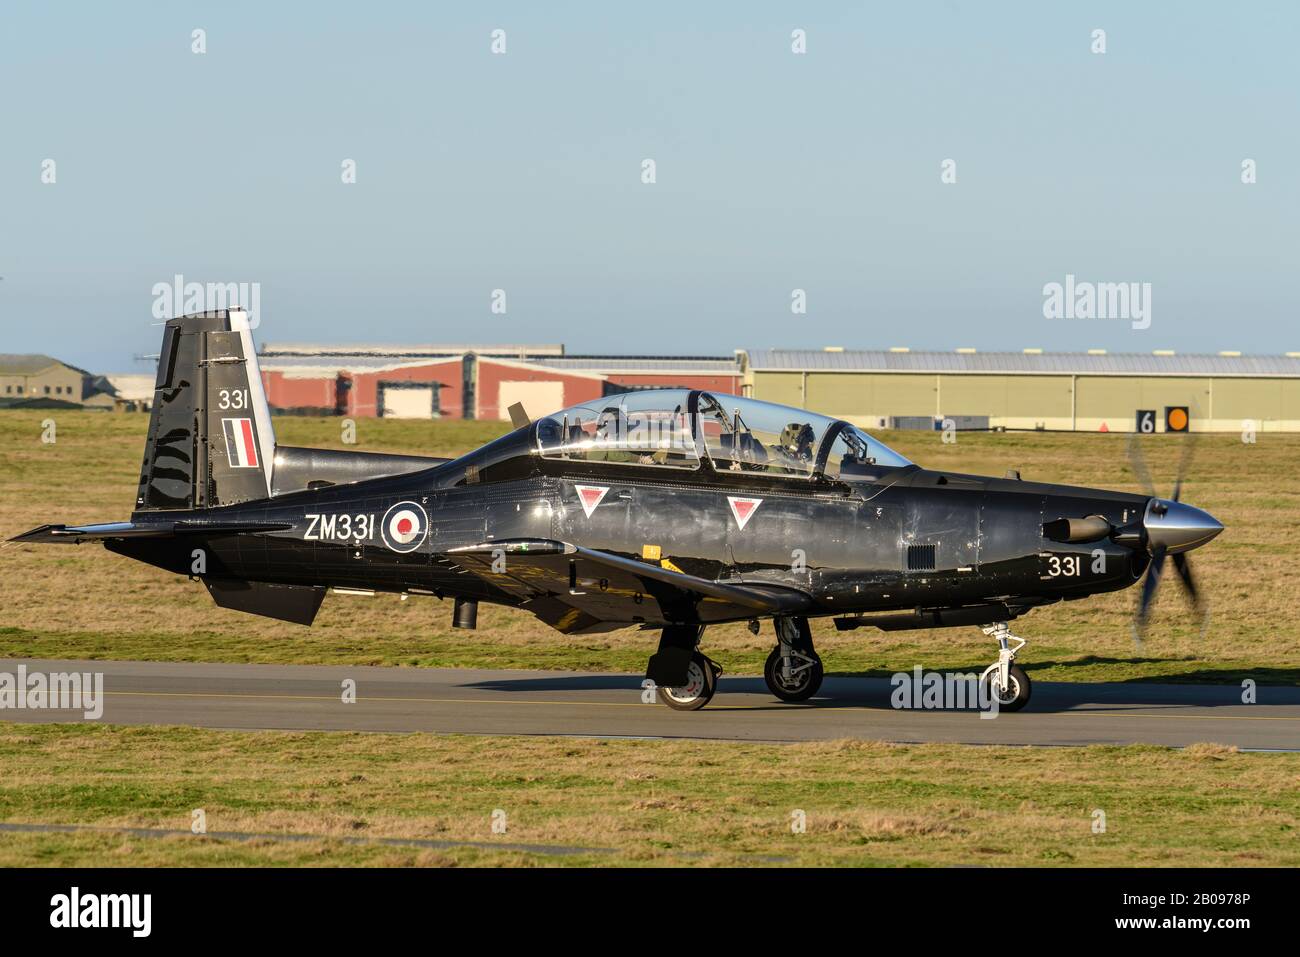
(78, 601)
(645, 802)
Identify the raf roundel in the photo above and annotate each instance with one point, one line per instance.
(405, 527)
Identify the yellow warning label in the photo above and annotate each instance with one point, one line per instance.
(651, 553)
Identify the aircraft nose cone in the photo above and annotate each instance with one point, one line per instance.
(1178, 527)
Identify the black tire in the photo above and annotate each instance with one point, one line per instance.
(1020, 685)
(806, 683)
(699, 690)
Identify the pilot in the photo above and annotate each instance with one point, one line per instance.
(796, 443)
(611, 439)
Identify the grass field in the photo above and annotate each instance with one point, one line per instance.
(644, 803)
(80, 602)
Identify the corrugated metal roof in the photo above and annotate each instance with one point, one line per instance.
(330, 365)
(418, 350)
(1067, 363)
(649, 365)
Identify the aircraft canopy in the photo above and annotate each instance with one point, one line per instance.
(672, 428)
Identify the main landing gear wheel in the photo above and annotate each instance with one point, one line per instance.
(793, 677)
(793, 671)
(1016, 694)
(701, 683)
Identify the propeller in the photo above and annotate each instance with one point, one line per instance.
(1156, 543)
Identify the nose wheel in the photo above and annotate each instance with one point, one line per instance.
(1014, 694)
(793, 671)
(1005, 681)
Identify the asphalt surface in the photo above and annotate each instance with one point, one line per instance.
(310, 698)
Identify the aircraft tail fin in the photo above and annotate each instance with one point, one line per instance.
(210, 438)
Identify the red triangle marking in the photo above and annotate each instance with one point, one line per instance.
(743, 508)
(590, 496)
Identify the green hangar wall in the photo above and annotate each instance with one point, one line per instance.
(1062, 391)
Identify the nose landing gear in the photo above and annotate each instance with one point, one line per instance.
(793, 671)
(1006, 681)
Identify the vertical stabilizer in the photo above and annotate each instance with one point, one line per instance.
(210, 437)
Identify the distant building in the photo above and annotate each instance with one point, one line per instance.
(39, 380)
(417, 351)
(894, 388)
(131, 391)
(467, 381)
(1032, 389)
(629, 373)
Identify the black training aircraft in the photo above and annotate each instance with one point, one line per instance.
(669, 510)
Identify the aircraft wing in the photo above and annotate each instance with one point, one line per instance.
(576, 589)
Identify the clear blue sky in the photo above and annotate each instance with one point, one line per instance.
(775, 172)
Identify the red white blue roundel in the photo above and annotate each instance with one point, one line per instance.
(405, 527)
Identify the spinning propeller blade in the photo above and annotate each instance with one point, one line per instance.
(1149, 588)
(1139, 464)
(1189, 445)
(1158, 549)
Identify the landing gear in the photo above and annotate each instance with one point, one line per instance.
(684, 678)
(1006, 681)
(701, 682)
(793, 671)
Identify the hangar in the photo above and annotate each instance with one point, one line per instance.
(886, 388)
(468, 381)
(1089, 391)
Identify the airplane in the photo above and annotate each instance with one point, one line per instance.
(667, 510)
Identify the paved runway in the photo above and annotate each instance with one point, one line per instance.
(297, 697)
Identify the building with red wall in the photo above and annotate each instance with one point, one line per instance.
(356, 385)
(469, 382)
(627, 373)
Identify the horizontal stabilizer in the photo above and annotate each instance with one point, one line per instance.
(73, 534)
(76, 534)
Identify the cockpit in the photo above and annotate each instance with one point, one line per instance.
(678, 428)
